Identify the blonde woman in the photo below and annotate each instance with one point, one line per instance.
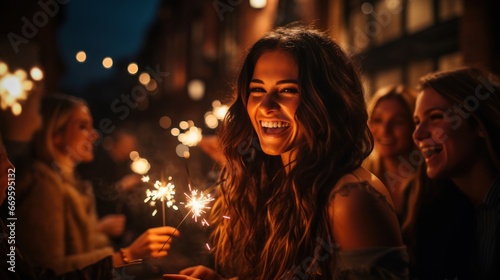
(58, 226)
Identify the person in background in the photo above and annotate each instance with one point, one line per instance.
(59, 224)
(423, 207)
(112, 179)
(296, 203)
(391, 123)
(457, 118)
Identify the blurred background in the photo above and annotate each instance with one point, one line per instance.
(164, 69)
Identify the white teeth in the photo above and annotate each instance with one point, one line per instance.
(274, 124)
(429, 151)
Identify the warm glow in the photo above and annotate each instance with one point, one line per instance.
(12, 85)
(151, 85)
(175, 131)
(16, 109)
(21, 74)
(134, 155)
(191, 137)
(3, 68)
(81, 56)
(133, 68)
(181, 149)
(216, 103)
(165, 122)
(36, 74)
(220, 112)
(144, 78)
(196, 89)
(211, 120)
(107, 62)
(183, 125)
(258, 4)
(140, 166)
(27, 85)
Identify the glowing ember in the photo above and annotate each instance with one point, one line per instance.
(197, 203)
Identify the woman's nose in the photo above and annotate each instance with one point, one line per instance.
(421, 132)
(94, 135)
(269, 103)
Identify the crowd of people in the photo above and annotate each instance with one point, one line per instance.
(404, 187)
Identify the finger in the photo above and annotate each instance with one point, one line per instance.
(155, 247)
(188, 271)
(160, 239)
(164, 230)
(156, 254)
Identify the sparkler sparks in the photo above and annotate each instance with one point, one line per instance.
(14, 87)
(162, 192)
(165, 193)
(197, 203)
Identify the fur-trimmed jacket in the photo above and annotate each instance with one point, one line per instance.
(56, 221)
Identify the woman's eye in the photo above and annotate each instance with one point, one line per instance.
(290, 90)
(436, 116)
(375, 120)
(256, 89)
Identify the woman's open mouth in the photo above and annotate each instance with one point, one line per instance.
(274, 127)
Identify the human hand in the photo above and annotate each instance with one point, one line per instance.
(112, 225)
(148, 244)
(201, 272)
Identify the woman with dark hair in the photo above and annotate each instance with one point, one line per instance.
(457, 117)
(295, 202)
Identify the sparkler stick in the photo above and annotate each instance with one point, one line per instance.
(162, 178)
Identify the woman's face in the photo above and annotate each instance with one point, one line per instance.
(273, 101)
(391, 126)
(76, 141)
(447, 141)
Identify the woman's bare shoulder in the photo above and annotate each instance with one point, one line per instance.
(360, 181)
(362, 213)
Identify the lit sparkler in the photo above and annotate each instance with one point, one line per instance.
(196, 205)
(14, 87)
(165, 193)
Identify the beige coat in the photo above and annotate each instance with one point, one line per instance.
(56, 225)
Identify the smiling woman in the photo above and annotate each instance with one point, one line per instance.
(59, 208)
(273, 102)
(457, 119)
(301, 206)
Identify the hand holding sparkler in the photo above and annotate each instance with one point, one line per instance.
(153, 243)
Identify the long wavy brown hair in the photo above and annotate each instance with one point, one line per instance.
(270, 224)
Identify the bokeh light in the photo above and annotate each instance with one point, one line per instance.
(107, 62)
(133, 68)
(36, 74)
(81, 56)
(196, 89)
